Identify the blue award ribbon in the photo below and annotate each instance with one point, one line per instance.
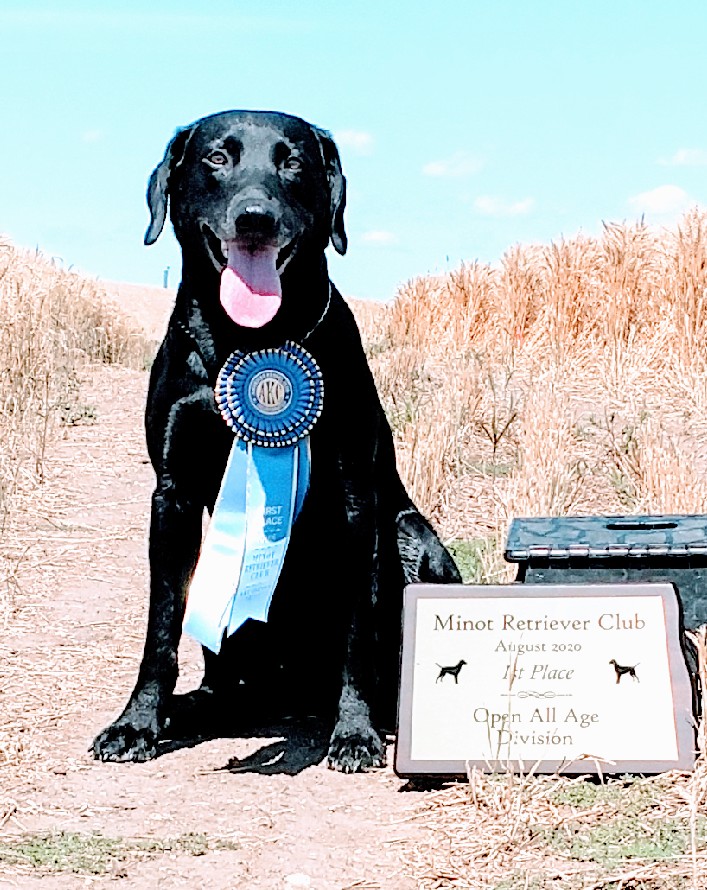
(271, 399)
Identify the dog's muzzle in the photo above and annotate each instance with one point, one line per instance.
(250, 265)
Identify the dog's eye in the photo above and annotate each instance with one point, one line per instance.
(217, 158)
(293, 164)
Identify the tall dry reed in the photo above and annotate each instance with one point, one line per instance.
(569, 378)
(52, 323)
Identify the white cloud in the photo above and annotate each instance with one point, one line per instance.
(459, 164)
(687, 157)
(90, 136)
(493, 206)
(661, 201)
(358, 141)
(379, 237)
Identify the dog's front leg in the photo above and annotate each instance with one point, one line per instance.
(175, 536)
(175, 541)
(355, 745)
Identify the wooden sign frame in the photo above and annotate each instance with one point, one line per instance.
(494, 676)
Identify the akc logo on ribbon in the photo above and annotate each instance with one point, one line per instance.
(271, 399)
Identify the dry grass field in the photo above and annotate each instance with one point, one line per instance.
(53, 324)
(571, 378)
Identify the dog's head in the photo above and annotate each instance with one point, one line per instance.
(250, 193)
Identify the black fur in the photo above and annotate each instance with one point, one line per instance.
(331, 642)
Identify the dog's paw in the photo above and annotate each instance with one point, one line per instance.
(355, 750)
(126, 741)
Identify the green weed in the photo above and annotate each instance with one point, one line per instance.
(95, 854)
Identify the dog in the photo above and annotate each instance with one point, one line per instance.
(451, 671)
(262, 194)
(622, 669)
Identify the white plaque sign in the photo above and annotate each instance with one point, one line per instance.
(569, 678)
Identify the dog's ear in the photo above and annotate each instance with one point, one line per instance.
(158, 186)
(337, 188)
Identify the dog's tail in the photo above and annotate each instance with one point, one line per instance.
(422, 555)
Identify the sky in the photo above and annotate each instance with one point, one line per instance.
(464, 127)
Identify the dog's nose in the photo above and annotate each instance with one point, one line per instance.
(255, 220)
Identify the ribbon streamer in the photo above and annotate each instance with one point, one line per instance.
(271, 400)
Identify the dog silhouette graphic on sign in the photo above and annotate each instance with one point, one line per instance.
(622, 669)
(452, 671)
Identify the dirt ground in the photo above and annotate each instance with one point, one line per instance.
(69, 654)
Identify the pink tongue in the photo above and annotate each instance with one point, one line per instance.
(250, 286)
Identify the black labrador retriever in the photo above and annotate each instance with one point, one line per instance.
(260, 194)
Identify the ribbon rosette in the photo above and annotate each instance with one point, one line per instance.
(271, 399)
